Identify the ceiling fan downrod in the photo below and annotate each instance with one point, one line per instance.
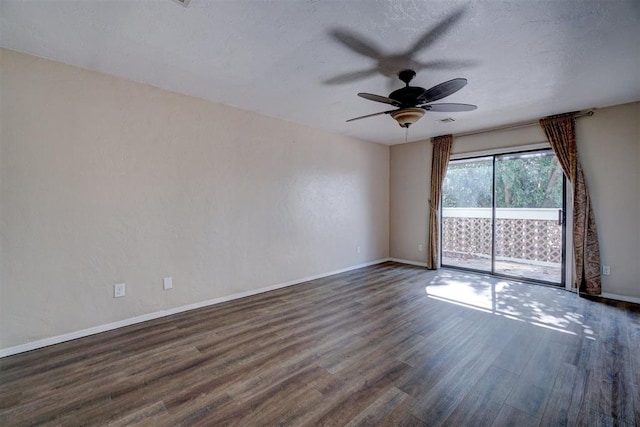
(406, 76)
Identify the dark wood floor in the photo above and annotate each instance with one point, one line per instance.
(385, 345)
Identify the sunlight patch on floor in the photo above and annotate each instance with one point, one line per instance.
(510, 299)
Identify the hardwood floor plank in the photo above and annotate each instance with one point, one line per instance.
(482, 404)
(529, 398)
(518, 350)
(633, 337)
(401, 415)
(385, 404)
(438, 403)
(434, 364)
(385, 345)
(562, 408)
(360, 398)
(513, 417)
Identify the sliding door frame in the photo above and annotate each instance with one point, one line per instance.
(565, 276)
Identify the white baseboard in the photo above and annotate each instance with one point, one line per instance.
(155, 315)
(406, 261)
(620, 297)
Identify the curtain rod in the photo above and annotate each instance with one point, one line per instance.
(583, 113)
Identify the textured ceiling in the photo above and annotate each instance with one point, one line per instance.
(524, 59)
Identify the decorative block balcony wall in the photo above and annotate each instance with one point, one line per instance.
(526, 235)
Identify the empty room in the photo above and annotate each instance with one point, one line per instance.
(319, 212)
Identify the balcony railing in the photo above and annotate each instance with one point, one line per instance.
(530, 236)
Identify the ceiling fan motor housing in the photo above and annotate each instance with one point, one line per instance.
(409, 96)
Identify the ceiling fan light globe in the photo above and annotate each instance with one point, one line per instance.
(407, 116)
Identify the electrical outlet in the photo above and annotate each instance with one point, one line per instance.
(358, 249)
(167, 283)
(606, 270)
(118, 290)
(420, 247)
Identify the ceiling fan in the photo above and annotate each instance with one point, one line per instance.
(414, 101)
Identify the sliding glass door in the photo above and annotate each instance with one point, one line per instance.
(467, 209)
(504, 214)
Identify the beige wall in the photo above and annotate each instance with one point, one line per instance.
(609, 147)
(409, 210)
(104, 180)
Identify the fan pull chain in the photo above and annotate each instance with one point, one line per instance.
(406, 134)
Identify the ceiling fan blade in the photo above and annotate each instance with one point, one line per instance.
(357, 43)
(350, 77)
(443, 90)
(378, 98)
(449, 108)
(436, 32)
(371, 115)
(445, 64)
